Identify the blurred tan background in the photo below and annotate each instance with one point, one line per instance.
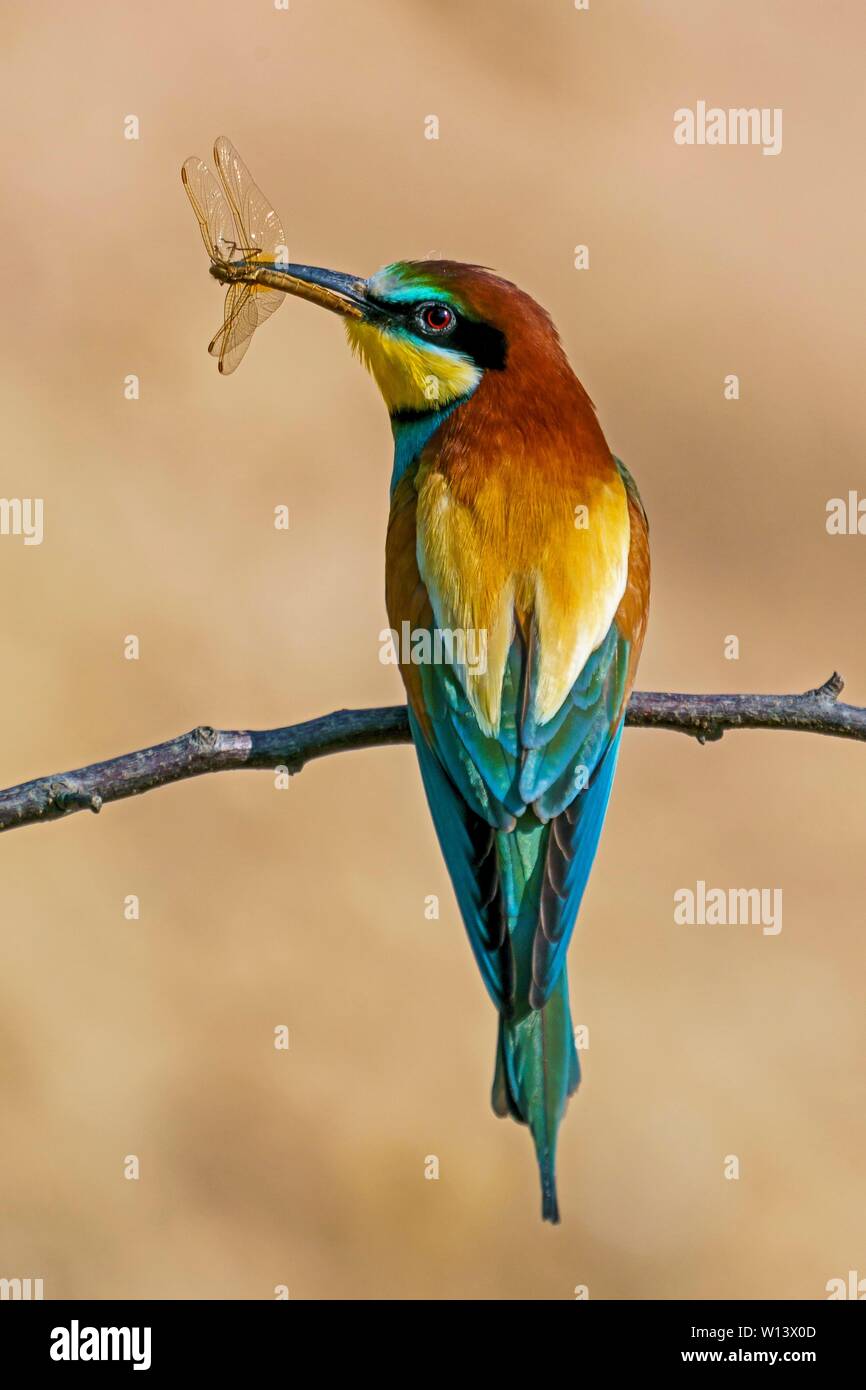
(306, 907)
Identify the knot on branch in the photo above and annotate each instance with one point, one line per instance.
(67, 796)
(290, 760)
(204, 738)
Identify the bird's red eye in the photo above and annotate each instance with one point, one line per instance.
(436, 317)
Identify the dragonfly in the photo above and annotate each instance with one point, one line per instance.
(241, 231)
(245, 241)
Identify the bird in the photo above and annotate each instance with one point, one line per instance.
(511, 521)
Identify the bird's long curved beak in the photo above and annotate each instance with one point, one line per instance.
(342, 294)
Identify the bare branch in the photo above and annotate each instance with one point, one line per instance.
(704, 717)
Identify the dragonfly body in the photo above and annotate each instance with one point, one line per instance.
(511, 522)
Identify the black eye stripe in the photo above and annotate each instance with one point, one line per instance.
(486, 345)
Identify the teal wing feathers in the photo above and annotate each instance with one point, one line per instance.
(468, 842)
(554, 779)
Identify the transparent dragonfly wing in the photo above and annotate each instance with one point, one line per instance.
(258, 230)
(213, 211)
(237, 225)
(242, 316)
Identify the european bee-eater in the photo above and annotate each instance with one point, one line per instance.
(512, 524)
